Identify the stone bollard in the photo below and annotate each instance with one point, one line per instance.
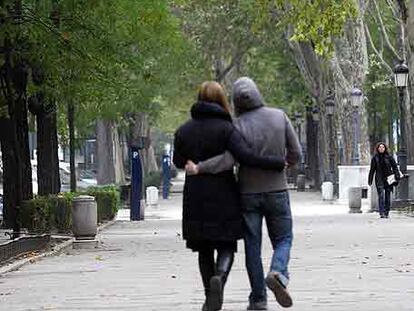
(84, 221)
(354, 199)
(301, 182)
(327, 191)
(152, 196)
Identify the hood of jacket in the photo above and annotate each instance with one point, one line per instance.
(246, 95)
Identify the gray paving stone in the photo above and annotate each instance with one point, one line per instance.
(339, 262)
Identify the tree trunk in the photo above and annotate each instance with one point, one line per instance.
(47, 154)
(48, 173)
(315, 73)
(407, 13)
(22, 134)
(118, 159)
(125, 153)
(11, 173)
(311, 152)
(72, 150)
(104, 153)
(349, 67)
(335, 76)
(15, 142)
(48, 176)
(109, 154)
(152, 161)
(18, 75)
(139, 135)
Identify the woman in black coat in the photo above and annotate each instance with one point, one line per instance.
(383, 165)
(212, 219)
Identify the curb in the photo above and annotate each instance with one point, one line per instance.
(56, 250)
(106, 225)
(22, 262)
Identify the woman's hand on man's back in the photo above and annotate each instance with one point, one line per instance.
(191, 168)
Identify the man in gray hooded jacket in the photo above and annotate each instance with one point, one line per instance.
(263, 192)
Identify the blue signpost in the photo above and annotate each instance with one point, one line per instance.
(136, 185)
(166, 175)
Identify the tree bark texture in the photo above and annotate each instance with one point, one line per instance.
(140, 135)
(18, 110)
(104, 153)
(349, 68)
(48, 173)
(47, 154)
(407, 13)
(14, 141)
(11, 172)
(315, 72)
(109, 154)
(72, 150)
(346, 69)
(48, 176)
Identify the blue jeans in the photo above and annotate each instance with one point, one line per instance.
(274, 207)
(384, 200)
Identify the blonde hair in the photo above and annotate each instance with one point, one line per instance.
(211, 91)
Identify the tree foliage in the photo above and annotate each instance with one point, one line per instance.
(317, 22)
(108, 57)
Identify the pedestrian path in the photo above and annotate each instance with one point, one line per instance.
(339, 262)
(303, 204)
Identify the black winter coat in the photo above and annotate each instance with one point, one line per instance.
(211, 209)
(382, 166)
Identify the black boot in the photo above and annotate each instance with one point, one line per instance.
(225, 260)
(206, 265)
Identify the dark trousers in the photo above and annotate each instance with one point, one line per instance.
(384, 200)
(274, 207)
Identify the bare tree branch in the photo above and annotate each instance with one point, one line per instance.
(384, 31)
(234, 61)
(338, 74)
(393, 8)
(301, 57)
(383, 62)
(403, 10)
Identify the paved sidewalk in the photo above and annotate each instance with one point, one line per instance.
(339, 262)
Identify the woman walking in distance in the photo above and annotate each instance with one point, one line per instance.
(383, 165)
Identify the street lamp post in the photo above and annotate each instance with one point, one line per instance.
(354, 193)
(298, 117)
(294, 171)
(356, 100)
(330, 111)
(401, 81)
(301, 178)
(309, 160)
(315, 117)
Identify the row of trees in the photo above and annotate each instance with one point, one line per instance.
(117, 68)
(302, 52)
(76, 65)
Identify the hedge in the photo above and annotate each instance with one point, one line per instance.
(53, 213)
(107, 199)
(45, 214)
